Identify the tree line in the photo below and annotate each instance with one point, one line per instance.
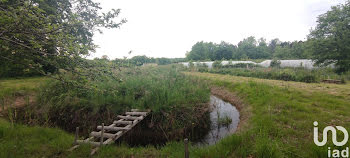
(328, 43)
(249, 48)
(140, 60)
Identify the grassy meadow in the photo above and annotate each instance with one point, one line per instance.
(279, 116)
(282, 114)
(22, 86)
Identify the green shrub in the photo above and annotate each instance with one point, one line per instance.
(240, 65)
(286, 74)
(217, 64)
(275, 63)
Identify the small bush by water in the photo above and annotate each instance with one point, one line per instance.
(224, 121)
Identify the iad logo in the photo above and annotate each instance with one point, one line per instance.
(335, 152)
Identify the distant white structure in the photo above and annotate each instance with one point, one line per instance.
(306, 63)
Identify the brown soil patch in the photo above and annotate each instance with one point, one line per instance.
(231, 97)
(17, 102)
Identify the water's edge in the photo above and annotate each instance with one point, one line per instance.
(219, 110)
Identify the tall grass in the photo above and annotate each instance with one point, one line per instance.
(178, 102)
(22, 141)
(13, 87)
(286, 74)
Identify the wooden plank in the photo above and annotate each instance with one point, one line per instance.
(76, 135)
(105, 135)
(74, 147)
(93, 151)
(108, 141)
(111, 140)
(102, 132)
(88, 142)
(122, 122)
(135, 110)
(114, 128)
(87, 139)
(130, 117)
(136, 113)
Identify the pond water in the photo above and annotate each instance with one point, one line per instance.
(220, 110)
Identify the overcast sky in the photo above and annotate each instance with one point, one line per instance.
(163, 28)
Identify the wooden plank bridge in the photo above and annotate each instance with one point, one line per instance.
(109, 134)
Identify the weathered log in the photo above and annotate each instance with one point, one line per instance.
(110, 140)
(93, 151)
(102, 132)
(122, 122)
(74, 147)
(130, 117)
(113, 128)
(105, 135)
(135, 110)
(76, 135)
(89, 142)
(136, 113)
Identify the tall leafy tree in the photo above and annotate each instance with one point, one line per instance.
(51, 33)
(247, 48)
(331, 38)
(273, 44)
(201, 51)
(224, 51)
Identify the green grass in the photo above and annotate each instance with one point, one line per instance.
(280, 124)
(224, 121)
(24, 86)
(286, 74)
(22, 141)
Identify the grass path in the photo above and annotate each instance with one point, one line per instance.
(333, 89)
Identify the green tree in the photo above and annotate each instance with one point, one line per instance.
(199, 51)
(282, 52)
(223, 51)
(331, 38)
(247, 47)
(51, 33)
(140, 60)
(273, 44)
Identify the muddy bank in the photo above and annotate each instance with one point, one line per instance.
(235, 100)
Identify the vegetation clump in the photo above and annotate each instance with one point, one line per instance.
(224, 121)
(178, 103)
(276, 73)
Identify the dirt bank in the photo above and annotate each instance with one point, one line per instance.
(235, 100)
